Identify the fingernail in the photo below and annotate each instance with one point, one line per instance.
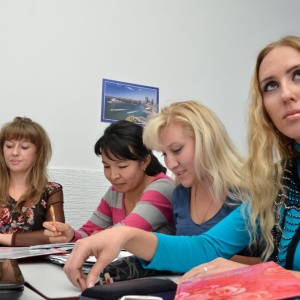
(91, 284)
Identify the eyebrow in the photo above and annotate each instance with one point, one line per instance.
(116, 161)
(287, 72)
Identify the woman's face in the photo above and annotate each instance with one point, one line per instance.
(178, 150)
(19, 155)
(279, 79)
(124, 174)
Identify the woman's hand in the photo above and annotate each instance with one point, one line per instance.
(61, 233)
(5, 239)
(215, 266)
(105, 246)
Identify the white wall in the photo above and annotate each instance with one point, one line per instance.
(55, 53)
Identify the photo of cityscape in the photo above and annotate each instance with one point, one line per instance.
(128, 101)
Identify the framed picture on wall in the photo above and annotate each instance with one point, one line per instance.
(128, 101)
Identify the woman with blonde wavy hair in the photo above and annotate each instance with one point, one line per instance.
(273, 139)
(26, 194)
(197, 149)
(271, 216)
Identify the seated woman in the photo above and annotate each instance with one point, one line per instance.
(26, 194)
(209, 170)
(140, 195)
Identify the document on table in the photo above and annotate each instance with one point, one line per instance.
(61, 259)
(38, 250)
(65, 246)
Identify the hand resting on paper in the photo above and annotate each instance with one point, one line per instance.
(215, 266)
(61, 233)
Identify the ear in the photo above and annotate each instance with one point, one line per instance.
(146, 162)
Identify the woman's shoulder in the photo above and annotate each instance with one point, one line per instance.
(52, 187)
(162, 176)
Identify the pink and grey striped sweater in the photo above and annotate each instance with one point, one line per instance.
(153, 212)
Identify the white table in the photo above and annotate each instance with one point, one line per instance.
(48, 278)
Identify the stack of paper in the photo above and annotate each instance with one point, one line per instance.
(61, 259)
(38, 250)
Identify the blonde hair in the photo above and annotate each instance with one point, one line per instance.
(37, 178)
(266, 146)
(216, 159)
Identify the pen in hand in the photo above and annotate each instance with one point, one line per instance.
(53, 218)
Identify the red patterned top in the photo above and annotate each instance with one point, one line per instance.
(27, 225)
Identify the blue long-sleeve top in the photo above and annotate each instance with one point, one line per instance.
(225, 239)
(181, 253)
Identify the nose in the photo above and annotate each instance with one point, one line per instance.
(171, 162)
(287, 92)
(15, 150)
(114, 173)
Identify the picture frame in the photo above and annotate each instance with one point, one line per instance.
(128, 101)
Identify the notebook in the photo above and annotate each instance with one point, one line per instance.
(262, 281)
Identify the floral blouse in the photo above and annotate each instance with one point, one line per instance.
(30, 219)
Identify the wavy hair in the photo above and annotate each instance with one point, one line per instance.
(37, 176)
(266, 148)
(216, 158)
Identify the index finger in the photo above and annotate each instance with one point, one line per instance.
(73, 270)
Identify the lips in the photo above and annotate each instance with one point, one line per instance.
(291, 114)
(180, 173)
(14, 161)
(118, 185)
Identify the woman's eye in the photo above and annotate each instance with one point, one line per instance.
(177, 150)
(122, 167)
(8, 146)
(297, 74)
(24, 147)
(270, 86)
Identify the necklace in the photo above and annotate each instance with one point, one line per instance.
(196, 206)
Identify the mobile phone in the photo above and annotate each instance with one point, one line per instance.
(11, 280)
(136, 297)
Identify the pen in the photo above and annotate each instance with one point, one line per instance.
(53, 218)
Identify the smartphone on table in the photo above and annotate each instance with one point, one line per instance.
(11, 280)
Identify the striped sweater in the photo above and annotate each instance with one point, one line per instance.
(153, 211)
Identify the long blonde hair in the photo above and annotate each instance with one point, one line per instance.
(216, 159)
(267, 147)
(37, 178)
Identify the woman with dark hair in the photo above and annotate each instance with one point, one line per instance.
(26, 194)
(140, 194)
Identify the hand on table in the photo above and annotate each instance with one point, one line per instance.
(215, 266)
